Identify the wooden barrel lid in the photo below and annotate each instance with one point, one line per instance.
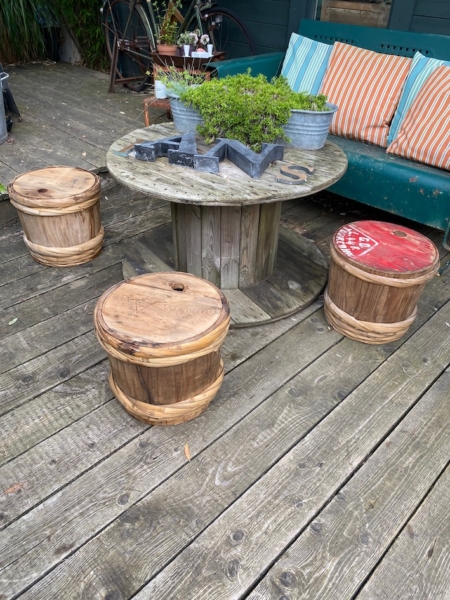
(386, 249)
(161, 314)
(54, 187)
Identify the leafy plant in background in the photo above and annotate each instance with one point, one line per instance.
(21, 36)
(166, 23)
(2, 188)
(24, 25)
(83, 19)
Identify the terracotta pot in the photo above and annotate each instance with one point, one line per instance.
(167, 49)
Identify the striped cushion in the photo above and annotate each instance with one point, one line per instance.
(425, 133)
(366, 86)
(421, 69)
(305, 63)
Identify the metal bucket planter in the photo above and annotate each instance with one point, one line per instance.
(185, 118)
(308, 129)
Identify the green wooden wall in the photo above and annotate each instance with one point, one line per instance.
(424, 16)
(271, 21)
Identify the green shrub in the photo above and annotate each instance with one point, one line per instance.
(21, 38)
(249, 109)
(83, 19)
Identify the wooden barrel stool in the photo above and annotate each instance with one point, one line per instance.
(59, 210)
(377, 273)
(163, 333)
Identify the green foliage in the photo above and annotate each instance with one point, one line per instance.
(177, 82)
(2, 188)
(304, 101)
(83, 19)
(166, 22)
(187, 38)
(21, 37)
(249, 109)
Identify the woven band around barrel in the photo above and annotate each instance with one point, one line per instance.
(364, 331)
(67, 251)
(164, 361)
(55, 212)
(168, 414)
(382, 279)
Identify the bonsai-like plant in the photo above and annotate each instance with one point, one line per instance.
(179, 81)
(249, 109)
(166, 22)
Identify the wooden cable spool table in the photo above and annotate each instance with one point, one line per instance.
(225, 227)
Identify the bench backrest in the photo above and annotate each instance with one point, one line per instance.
(386, 41)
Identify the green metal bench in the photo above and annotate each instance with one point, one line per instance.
(403, 187)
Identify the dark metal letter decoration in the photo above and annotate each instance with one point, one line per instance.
(182, 150)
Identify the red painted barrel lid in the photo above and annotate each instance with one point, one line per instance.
(385, 247)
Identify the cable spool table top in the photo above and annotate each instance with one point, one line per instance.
(54, 187)
(161, 315)
(231, 187)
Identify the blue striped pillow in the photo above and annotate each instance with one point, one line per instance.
(305, 64)
(421, 69)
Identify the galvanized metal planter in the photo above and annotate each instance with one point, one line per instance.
(308, 129)
(185, 118)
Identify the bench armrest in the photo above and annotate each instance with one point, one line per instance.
(267, 64)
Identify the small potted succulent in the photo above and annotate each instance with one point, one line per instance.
(184, 42)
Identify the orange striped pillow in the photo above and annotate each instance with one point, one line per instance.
(425, 132)
(366, 86)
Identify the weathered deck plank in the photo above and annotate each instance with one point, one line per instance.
(58, 129)
(278, 406)
(333, 556)
(231, 554)
(318, 471)
(156, 455)
(417, 564)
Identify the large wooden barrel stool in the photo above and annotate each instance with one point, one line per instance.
(163, 333)
(59, 208)
(377, 273)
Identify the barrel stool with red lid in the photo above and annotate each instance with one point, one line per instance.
(163, 333)
(59, 209)
(377, 273)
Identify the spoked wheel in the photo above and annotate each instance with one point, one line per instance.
(227, 33)
(130, 28)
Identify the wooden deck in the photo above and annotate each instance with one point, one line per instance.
(320, 471)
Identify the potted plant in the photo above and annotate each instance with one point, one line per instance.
(310, 121)
(184, 43)
(167, 27)
(250, 109)
(177, 82)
